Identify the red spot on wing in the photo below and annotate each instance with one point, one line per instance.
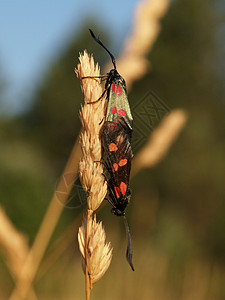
(123, 188)
(113, 110)
(121, 113)
(113, 147)
(115, 166)
(118, 90)
(115, 122)
(113, 87)
(117, 191)
(122, 162)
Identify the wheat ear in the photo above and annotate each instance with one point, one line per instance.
(96, 253)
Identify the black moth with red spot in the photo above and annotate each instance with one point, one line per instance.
(117, 155)
(115, 136)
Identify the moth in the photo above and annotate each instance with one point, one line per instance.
(116, 157)
(118, 107)
(116, 134)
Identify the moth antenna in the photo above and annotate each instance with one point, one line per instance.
(100, 43)
(129, 252)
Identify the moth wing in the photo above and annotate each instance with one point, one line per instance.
(118, 105)
(111, 113)
(123, 108)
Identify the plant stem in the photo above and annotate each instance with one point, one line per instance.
(87, 278)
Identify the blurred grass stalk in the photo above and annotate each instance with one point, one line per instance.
(96, 253)
(35, 255)
(132, 63)
(132, 66)
(14, 246)
(160, 141)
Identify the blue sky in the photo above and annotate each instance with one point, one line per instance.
(31, 32)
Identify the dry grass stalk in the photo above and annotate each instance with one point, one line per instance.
(35, 255)
(91, 237)
(99, 253)
(132, 64)
(14, 246)
(13, 243)
(160, 141)
(91, 116)
(58, 247)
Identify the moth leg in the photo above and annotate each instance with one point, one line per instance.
(101, 162)
(101, 120)
(106, 179)
(102, 95)
(104, 77)
(110, 202)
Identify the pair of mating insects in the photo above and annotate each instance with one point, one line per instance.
(115, 136)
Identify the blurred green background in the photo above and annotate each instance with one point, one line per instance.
(177, 214)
